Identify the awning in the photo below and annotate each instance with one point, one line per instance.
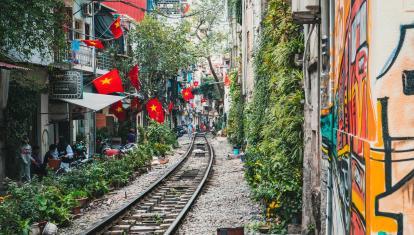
(11, 66)
(95, 101)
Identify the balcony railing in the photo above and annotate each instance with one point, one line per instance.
(104, 61)
(84, 59)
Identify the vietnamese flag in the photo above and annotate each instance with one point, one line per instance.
(135, 105)
(133, 77)
(116, 28)
(155, 110)
(187, 94)
(118, 111)
(94, 43)
(109, 83)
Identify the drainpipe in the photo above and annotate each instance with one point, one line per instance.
(331, 84)
(4, 88)
(93, 147)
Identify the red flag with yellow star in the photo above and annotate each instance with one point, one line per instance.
(118, 111)
(94, 43)
(155, 110)
(109, 83)
(116, 28)
(187, 94)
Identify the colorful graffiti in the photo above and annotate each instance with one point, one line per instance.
(368, 132)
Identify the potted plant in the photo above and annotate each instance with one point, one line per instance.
(81, 197)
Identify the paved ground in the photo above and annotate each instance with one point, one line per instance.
(225, 202)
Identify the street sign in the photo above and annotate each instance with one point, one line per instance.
(68, 85)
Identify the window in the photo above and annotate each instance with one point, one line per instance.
(78, 29)
(87, 31)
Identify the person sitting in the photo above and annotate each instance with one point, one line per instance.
(65, 153)
(52, 154)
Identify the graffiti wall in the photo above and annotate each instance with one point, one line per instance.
(368, 132)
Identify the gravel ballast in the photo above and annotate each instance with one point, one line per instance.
(225, 202)
(103, 207)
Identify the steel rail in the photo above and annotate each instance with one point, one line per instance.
(108, 221)
(175, 225)
(112, 219)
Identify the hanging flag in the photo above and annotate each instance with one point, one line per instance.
(133, 77)
(195, 83)
(170, 106)
(187, 94)
(94, 43)
(226, 80)
(160, 118)
(135, 104)
(186, 8)
(118, 111)
(155, 110)
(116, 28)
(75, 45)
(109, 83)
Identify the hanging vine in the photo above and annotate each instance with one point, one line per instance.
(235, 121)
(274, 119)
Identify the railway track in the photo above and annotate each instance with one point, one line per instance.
(162, 207)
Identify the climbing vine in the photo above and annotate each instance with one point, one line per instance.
(235, 121)
(274, 119)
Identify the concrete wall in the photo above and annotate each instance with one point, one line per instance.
(368, 133)
(252, 17)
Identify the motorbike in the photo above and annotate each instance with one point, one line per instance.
(114, 150)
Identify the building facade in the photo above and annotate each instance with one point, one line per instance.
(364, 70)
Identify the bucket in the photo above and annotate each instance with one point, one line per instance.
(236, 151)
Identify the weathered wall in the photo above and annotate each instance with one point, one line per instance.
(368, 133)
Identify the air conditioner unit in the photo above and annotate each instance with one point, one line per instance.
(86, 9)
(305, 11)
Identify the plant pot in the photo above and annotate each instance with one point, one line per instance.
(264, 229)
(76, 210)
(82, 202)
(35, 229)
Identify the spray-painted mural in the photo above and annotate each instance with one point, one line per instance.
(368, 132)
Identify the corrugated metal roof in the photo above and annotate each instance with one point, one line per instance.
(131, 11)
(11, 66)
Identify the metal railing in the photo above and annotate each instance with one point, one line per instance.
(84, 57)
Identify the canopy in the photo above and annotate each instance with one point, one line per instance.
(95, 101)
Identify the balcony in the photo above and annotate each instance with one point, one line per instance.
(84, 59)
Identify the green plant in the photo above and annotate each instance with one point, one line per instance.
(158, 219)
(53, 198)
(235, 128)
(273, 119)
(78, 194)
